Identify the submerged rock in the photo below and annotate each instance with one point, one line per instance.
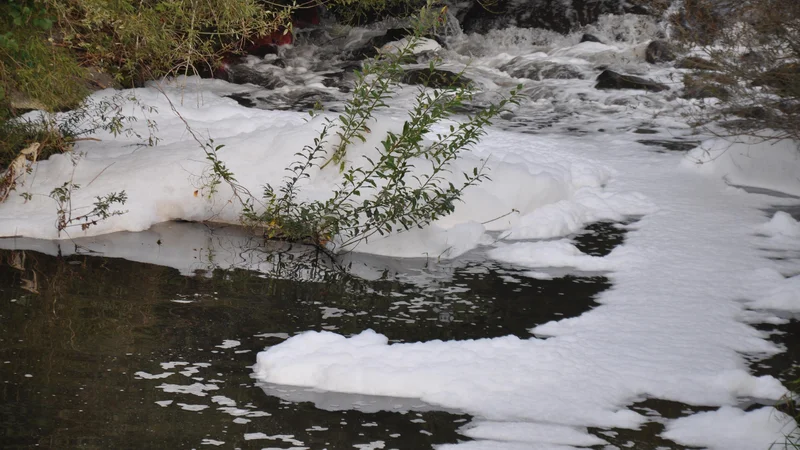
(541, 70)
(658, 52)
(436, 78)
(671, 145)
(243, 74)
(613, 80)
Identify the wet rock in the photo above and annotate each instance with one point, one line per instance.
(263, 50)
(436, 78)
(243, 74)
(331, 81)
(590, 38)
(243, 99)
(613, 80)
(560, 72)
(277, 62)
(658, 52)
(309, 99)
(675, 146)
(313, 36)
(337, 80)
(541, 70)
(98, 79)
(302, 99)
(370, 48)
(23, 102)
(646, 7)
(696, 63)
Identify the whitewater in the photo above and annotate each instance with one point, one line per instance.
(709, 250)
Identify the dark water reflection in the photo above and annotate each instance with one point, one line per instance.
(83, 335)
(102, 352)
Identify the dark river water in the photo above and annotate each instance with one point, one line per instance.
(99, 352)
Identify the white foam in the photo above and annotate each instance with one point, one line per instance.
(750, 161)
(730, 428)
(672, 327)
(167, 182)
(549, 254)
(781, 224)
(229, 343)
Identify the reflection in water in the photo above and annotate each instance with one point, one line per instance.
(154, 350)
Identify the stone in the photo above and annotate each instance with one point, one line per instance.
(658, 52)
(98, 79)
(436, 78)
(613, 80)
(243, 74)
(590, 38)
(370, 48)
(541, 70)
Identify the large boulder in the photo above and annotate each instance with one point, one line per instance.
(370, 48)
(613, 80)
(392, 37)
(658, 52)
(541, 69)
(590, 38)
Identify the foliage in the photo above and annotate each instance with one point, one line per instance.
(24, 141)
(34, 73)
(101, 209)
(789, 406)
(386, 193)
(359, 12)
(137, 40)
(45, 45)
(756, 54)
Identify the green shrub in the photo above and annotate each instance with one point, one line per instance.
(34, 73)
(381, 195)
(137, 40)
(357, 12)
(46, 46)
